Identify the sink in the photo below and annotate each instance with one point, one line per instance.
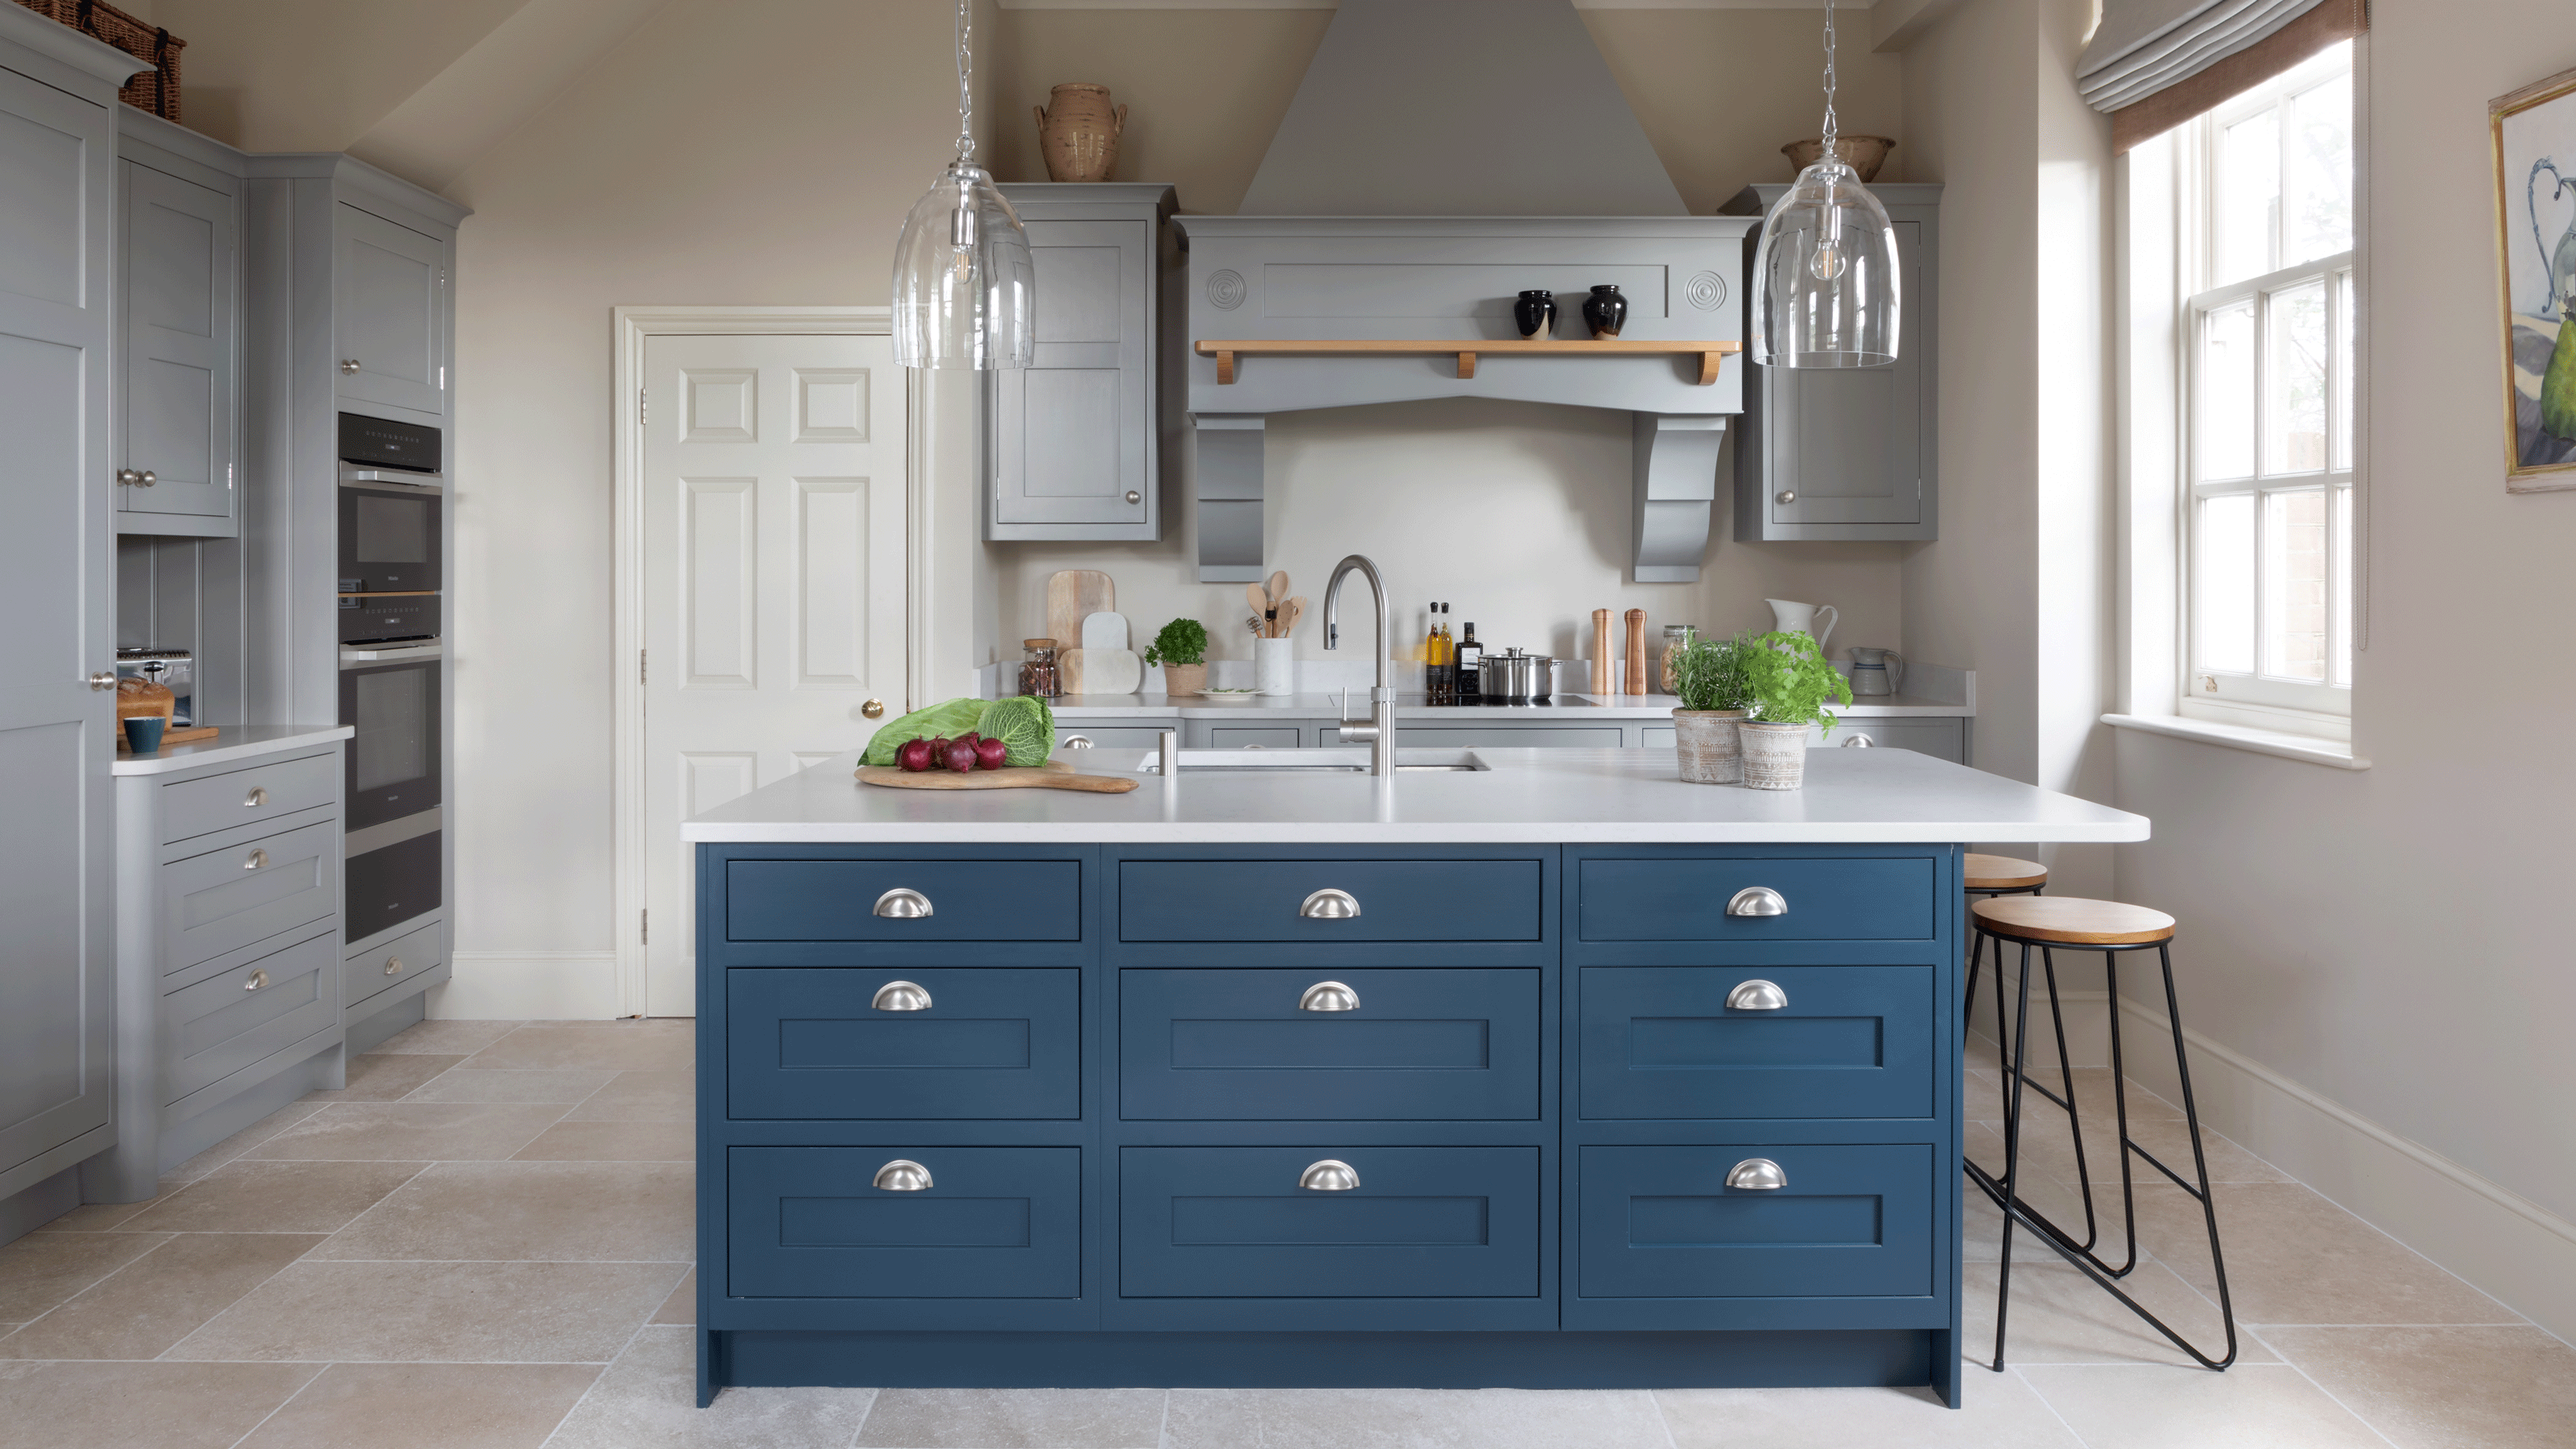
(1353, 761)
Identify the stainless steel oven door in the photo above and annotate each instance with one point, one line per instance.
(393, 759)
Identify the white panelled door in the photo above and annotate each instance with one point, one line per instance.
(774, 587)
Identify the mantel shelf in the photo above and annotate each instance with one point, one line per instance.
(1465, 349)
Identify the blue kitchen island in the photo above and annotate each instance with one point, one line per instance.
(1551, 1072)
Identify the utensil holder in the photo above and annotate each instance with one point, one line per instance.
(1274, 666)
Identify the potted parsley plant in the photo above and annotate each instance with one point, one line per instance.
(1791, 682)
(1181, 649)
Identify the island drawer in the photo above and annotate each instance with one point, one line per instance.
(404, 959)
(1266, 900)
(965, 1043)
(1423, 1222)
(1684, 898)
(967, 900)
(1843, 1041)
(234, 1018)
(1459, 1044)
(1661, 1223)
(244, 797)
(992, 1222)
(229, 898)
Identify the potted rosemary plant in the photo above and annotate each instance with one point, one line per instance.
(1790, 681)
(1711, 679)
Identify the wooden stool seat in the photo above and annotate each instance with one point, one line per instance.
(2072, 921)
(2003, 873)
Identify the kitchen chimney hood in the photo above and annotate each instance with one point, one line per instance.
(1439, 157)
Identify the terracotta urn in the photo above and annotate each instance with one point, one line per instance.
(1078, 132)
(1864, 154)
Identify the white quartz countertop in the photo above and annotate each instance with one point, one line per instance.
(235, 742)
(1527, 796)
(1567, 708)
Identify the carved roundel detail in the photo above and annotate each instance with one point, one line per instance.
(1706, 291)
(1225, 289)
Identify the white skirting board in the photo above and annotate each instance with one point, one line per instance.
(528, 986)
(2502, 1243)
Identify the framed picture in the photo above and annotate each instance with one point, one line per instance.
(2534, 132)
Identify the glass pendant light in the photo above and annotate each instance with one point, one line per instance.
(1825, 290)
(964, 290)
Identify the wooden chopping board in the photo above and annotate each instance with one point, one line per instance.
(1053, 775)
(1072, 596)
(190, 735)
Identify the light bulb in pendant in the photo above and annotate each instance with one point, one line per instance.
(1826, 263)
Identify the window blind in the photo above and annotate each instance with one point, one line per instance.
(2153, 64)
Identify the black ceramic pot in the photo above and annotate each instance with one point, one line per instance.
(1535, 312)
(1605, 311)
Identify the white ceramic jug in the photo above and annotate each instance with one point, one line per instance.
(1787, 617)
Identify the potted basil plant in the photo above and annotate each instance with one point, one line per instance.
(1181, 648)
(1791, 682)
(1711, 678)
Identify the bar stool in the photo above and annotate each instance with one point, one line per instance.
(1987, 877)
(2112, 928)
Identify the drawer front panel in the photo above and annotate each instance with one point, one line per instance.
(1110, 737)
(971, 900)
(995, 1222)
(1268, 737)
(1425, 1222)
(246, 797)
(1660, 1222)
(1460, 1044)
(1501, 737)
(402, 959)
(1840, 899)
(227, 1022)
(228, 898)
(1399, 900)
(999, 1042)
(1661, 1042)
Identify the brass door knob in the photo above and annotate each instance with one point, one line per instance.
(873, 709)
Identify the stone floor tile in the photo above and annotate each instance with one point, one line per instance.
(1015, 1419)
(1413, 1419)
(2053, 1148)
(2445, 1388)
(2251, 1406)
(667, 1043)
(451, 1313)
(477, 1084)
(682, 1306)
(233, 1147)
(141, 1405)
(427, 1406)
(103, 1217)
(648, 1400)
(2060, 1316)
(1982, 1239)
(2294, 1257)
(275, 1197)
(446, 1038)
(41, 1270)
(614, 1142)
(659, 1095)
(562, 1212)
(410, 1131)
(1998, 1411)
(384, 1076)
(151, 1303)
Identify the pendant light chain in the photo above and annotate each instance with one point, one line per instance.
(1832, 127)
(965, 81)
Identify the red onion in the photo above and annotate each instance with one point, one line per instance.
(960, 756)
(991, 754)
(913, 755)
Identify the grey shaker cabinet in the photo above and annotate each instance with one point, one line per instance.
(389, 312)
(1073, 441)
(181, 280)
(1849, 454)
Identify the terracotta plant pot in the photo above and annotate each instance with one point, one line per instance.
(1184, 679)
(1705, 742)
(1864, 154)
(1078, 135)
(1775, 755)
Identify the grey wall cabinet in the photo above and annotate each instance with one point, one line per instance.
(389, 312)
(1849, 455)
(57, 929)
(1073, 442)
(181, 278)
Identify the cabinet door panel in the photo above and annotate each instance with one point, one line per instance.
(388, 291)
(1073, 432)
(994, 1222)
(994, 1042)
(178, 362)
(1849, 444)
(1661, 1223)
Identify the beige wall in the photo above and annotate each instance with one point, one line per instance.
(313, 75)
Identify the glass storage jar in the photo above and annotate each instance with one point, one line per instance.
(1675, 636)
(1037, 669)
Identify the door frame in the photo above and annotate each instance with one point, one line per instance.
(634, 326)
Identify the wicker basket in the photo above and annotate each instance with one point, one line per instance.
(155, 90)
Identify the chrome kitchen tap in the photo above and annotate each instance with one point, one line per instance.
(1379, 730)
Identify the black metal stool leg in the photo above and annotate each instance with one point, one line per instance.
(2012, 1143)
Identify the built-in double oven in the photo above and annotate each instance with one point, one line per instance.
(392, 668)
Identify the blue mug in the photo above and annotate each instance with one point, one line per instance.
(143, 732)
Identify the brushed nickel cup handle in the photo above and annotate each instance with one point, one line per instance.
(257, 797)
(1757, 901)
(258, 981)
(1328, 996)
(1757, 1174)
(393, 966)
(1859, 741)
(256, 860)
(900, 996)
(348, 365)
(903, 904)
(902, 1175)
(1330, 1175)
(1329, 904)
(1757, 995)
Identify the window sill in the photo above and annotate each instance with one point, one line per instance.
(2307, 748)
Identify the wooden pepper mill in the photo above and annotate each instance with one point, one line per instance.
(1601, 651)
(1636, 651)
